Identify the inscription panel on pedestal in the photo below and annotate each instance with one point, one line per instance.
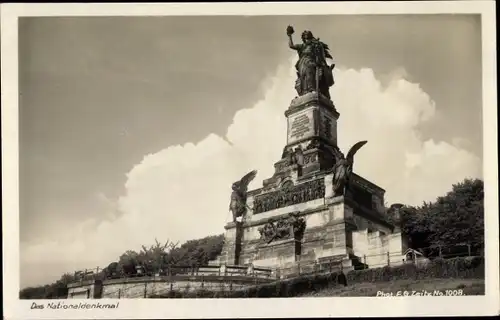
(300, 126)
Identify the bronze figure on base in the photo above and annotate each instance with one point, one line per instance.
(343, 169)
(238, 204)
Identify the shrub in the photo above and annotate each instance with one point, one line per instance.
(469, 267)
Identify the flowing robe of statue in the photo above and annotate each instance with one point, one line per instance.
(306, 68)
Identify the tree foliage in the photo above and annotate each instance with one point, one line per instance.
(56, 290)
(149, 260)
(454, 219)
(161, 256)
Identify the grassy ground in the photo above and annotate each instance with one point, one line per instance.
(370, 289)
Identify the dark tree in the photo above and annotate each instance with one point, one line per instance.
(455, 220)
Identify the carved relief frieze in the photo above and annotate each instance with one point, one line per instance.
(291, 195)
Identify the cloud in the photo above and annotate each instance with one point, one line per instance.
(182, 192)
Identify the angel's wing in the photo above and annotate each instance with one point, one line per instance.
(354, 149)
(245, 181)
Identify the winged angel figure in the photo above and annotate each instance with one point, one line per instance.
(238, 204)
(343, 169)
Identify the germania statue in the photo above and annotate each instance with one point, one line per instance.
(313, 71)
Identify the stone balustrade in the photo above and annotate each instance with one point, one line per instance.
(210, 277)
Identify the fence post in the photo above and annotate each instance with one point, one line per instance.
(388, 258)
(364, 261)
(468, 249)
(119, 293)
(145, 289)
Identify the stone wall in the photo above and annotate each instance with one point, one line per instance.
(87, 289)
(377, 249)
(144, 287)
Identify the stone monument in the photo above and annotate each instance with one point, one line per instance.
(314, 208)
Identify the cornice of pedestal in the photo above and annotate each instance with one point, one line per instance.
(369, 214)
(311, 99)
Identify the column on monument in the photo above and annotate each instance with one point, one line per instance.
(228, 253)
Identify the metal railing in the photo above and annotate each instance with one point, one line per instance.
(218, 270)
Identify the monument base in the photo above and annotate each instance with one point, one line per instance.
(340, 233)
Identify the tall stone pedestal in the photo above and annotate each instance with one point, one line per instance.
(311, 137)
(294, 220)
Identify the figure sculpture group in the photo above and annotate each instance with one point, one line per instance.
(293, 156)
(291, 227)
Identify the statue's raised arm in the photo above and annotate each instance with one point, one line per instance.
(289, 32)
